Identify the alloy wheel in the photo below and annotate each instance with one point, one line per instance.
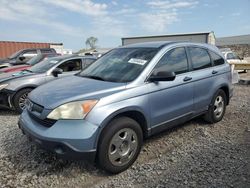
(122, 147)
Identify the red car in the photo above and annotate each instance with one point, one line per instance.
(29, 64)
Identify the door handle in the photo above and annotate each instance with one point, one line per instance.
(214, 72)
(187, 79)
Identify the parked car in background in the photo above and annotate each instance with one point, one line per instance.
(231, 57)
(34, 60)
(130, 93)
(22, 56)
(14, 88)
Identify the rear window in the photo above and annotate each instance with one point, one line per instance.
(200, 58)
(217, 60)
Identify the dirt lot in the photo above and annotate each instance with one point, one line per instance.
(195, 154)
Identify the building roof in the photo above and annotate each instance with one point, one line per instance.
(178, 34)
(18, 42)
(241, 39)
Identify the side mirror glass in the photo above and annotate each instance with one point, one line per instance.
(57, 71)
(162, 76)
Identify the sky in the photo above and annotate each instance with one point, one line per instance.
(73, 21)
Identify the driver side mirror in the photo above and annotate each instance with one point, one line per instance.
(21, 58)
(162, 76)
(57, 71)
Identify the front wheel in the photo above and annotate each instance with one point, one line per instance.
(20, 99)
(217, 107)
(119, 145)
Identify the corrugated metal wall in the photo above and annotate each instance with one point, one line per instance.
(8, 47)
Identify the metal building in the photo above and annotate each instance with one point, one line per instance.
(205, 37)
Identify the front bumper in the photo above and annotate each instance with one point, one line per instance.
(6, 98)
(70, 139)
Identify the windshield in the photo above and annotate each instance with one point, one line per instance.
(120, 65)
(15, 54)
(35, 59)
(44, 65)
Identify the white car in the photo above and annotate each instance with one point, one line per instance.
(231, 57)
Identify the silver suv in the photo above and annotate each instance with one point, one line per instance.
(105, 112)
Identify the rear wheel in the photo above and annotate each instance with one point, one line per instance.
(20, 99)
(119, 145)
(217, 107)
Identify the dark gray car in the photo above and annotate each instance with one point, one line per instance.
(14, 88)
(22, 56)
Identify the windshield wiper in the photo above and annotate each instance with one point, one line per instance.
(94, 77)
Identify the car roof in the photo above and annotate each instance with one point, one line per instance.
(161, 44)
(71, 56)
(156, 44)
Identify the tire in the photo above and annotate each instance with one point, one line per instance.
(217, 107)
(119, 145)
(20, 98)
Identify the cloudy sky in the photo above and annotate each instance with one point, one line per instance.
(72, 21)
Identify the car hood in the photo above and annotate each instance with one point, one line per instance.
(12, 76)
(72, 88)
(4, 61)
(17, 67)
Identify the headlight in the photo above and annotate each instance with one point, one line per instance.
(3, 86)
(73, 110)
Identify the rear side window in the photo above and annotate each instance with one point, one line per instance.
(200, 58)
(30, 53)
(217, 60)
(174, 61)
(71, 65)
(46, 51)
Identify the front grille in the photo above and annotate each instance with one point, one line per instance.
(44, 122)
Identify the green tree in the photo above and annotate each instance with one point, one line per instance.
(91, 42)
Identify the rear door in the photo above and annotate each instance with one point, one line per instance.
(171, 100)
(202, 73)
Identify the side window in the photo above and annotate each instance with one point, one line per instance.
(46, 51)
(31, 53)
(71, 65)
(217, 60)
(174, 61)
(200, 58)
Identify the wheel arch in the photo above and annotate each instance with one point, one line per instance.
(19, 89)
(134, 114)
(225, 88)
(25, 87)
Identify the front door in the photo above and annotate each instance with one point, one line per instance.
(171, 101)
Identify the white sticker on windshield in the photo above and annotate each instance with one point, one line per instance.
(137, 61)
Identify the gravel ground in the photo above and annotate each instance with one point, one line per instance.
(195, 154)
